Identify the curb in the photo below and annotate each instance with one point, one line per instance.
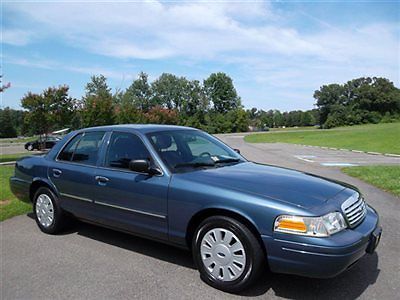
(356, 151)
(6, 163)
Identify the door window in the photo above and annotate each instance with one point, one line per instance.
(67, 152)
(123, 148)
(83, 148)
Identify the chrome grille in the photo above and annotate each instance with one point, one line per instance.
(354, 209)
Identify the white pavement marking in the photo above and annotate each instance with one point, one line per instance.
(335, 164)
(305, 157)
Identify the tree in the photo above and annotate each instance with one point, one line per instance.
(221, 92)
(97, 105)
(169, 91)
(360, 100)
(39, 117)
(7, 130)
(195, 101)
(327, 96)
(53, 108)
(62, 105)
(139, 93)
(3, 87)
(160, 115)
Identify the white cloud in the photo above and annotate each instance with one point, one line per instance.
(40, 63)
(16, 37)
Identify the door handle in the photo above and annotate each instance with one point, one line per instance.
(57, 172)
(102, 180)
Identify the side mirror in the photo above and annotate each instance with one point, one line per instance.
(139, 165)
(237, 150)
(143, 166)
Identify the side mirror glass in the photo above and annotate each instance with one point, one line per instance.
(143, 166)
(139, 165)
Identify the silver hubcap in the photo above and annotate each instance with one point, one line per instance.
(223, 254)
(44, 210)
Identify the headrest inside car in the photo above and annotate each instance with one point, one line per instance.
(163, 141)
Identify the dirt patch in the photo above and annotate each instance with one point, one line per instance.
(5, 202)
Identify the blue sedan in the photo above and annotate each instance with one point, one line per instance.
(182, 186)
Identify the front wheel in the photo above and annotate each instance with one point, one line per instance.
(30, 148)
(227, 254)
(48, 214)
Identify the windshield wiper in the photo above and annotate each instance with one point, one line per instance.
(195, 165)
(227, 160)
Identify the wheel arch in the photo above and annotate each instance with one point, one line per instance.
(209, 212)
(38, 183)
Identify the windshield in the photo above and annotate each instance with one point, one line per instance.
(184, 150)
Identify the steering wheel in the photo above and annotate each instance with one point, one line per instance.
(204, 154)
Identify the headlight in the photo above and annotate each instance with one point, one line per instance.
(311, 226)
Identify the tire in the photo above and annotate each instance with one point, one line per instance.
(45, 205)
(239, 270)
(30, 148)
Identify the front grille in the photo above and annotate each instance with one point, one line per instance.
(354, 210)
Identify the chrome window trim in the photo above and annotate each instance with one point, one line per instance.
(130, 209)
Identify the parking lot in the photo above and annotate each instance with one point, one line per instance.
(91, 262)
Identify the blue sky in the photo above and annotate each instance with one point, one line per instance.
(277, 52)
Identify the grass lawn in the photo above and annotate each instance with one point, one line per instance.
(385, 177)
(383, 138)
(18, 140)
(9, 205)
(13, 157)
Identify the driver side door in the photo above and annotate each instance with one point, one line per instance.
(132, 201)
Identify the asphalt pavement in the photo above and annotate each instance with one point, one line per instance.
(96, 263)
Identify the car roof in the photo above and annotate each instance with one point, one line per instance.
(143, 128)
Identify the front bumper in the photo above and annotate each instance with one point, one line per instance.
(323, 257)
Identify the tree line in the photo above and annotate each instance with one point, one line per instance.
(212, 105)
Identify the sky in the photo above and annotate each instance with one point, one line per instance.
(277, 52)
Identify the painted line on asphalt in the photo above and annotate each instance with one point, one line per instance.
(305, 158)
(337, 164)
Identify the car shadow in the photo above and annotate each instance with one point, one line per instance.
(349, 285)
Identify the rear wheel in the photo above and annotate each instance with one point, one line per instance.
(48, 214)
(227, 254)
(30, 148)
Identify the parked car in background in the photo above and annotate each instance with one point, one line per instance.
(184, 187)
(42, 143)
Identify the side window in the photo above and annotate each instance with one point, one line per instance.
(83, 148)
(88, 147)
(124, 147)
(67, 152)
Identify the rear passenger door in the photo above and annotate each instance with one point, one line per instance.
(132, 201)
(73, 173)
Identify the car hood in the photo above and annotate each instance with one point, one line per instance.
(298, 188)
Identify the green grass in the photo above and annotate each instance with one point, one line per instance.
(10, 206)
(13, 157)
(17, 140)
(384, 177)
(383, 138)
